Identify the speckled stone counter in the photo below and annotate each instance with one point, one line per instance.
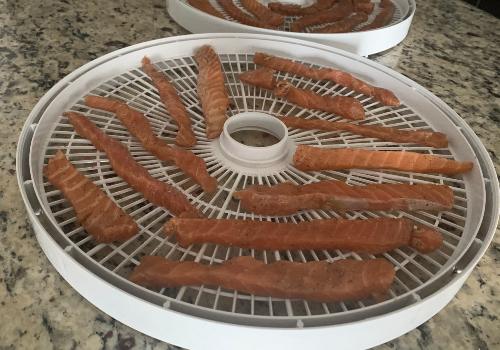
(453, 50)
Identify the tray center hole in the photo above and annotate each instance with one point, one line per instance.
(255, 137)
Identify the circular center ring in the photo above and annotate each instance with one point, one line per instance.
(251, 155)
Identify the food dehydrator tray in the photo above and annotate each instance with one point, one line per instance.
(207, 317)
(362, 43)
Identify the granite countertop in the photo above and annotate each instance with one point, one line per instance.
(452, 49)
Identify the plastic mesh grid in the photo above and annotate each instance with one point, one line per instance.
(413, 269)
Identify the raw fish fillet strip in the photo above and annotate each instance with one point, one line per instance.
(122, 162)
(426, 138)
(297, 10)
(319, 280)
(383, 18)
(211, 90)
(314, 158)
(206, 6)
(347, 107)
(139, 126)
(342, 9)
(240, 16)
(385, 96)
(344, 25)
(372, 236)
(173, 104)
(262, 12)
(344, 106)
(95, 211)
(287, 198)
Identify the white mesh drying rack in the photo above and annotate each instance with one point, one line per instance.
(362, 43)
(207, 317)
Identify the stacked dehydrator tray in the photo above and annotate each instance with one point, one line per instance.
(211, 317)
(365, 42)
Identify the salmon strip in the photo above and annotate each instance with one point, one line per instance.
(262, 12)
(287, 198)
(262, 77)
(347, 107)
(372, 236)
(122, 162)
(341, 10)
(95, 211)
(383, 18)
(426, 138)
(297, 10)
(173, 104)
(139, 126)
(211, 90)
(206, 6)
(367, 8)
(237, 14)
(318, 280)
(344, 25)
(337, 76)
(314, 158)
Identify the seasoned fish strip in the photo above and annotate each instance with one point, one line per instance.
(287, 198)
(342, 9)
(122, 162)
(211, 90)
(426, 138)
(236, 13)
(262, 77)
(139, 126)
(372, 236)
(314, 158)
(95, 211)
(297, 10)
(344, 25)
(262, 12)
(342, 280)
(347, 107)
(365, 8)
(206, 6)
(173, 104)
(383, 18)
(337, 76)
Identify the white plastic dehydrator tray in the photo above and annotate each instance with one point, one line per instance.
(362, 43)
(215, 318)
